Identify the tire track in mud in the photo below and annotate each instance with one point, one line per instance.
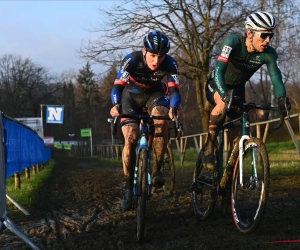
(80, 209)
(58, 226)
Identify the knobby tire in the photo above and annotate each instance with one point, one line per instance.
(205, 190)
(142, 194)
(169, 171)
(248, 202)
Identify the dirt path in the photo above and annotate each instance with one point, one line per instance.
(79, 209)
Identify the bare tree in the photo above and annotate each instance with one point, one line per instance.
(24, 86)
(286, 39)
(86, 90)
(195, 28)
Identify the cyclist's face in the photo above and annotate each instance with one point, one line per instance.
(260, 44)
(153, 60)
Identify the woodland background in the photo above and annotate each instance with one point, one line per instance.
(196, 30)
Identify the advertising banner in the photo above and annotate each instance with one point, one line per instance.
(49, 140)
(55, 114)
(85, 132)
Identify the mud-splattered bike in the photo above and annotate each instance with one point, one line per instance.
(246, 182)
(142, 186)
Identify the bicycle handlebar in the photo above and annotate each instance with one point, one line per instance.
(114, 126)
(178, 127)
(145, 116)
(250, 106)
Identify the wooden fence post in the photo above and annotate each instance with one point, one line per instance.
(17, 181)
(27, 173)
(34, 169)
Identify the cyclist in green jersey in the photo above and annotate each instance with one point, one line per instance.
(240, 57)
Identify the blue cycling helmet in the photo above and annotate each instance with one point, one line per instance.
(157, 43)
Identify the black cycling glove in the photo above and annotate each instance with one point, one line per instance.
(284, 105)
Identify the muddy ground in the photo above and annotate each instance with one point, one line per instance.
(79, 208)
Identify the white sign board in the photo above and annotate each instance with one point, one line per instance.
(34, 123)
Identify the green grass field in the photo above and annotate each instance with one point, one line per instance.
(27, 195)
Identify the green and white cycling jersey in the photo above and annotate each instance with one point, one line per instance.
(235, 66)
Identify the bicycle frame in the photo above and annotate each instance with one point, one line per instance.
(146, 139)
(243, 181)
(244, 123)
(142, 181)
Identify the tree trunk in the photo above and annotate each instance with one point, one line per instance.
(202, 103)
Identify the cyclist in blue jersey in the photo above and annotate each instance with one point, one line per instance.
(240, 57)
(139, 84)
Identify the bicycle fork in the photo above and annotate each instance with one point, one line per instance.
(241, 153)
(253, 178)
(238, 153)
(143, 144)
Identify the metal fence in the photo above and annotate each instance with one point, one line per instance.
(197, 140)
(21, 148)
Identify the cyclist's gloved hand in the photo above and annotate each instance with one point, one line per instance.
(284, 105)
(173, 112)
(115, 110)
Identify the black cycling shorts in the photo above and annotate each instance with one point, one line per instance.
(210, 90)
(134, 100)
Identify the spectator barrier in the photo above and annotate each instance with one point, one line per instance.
(21, 149)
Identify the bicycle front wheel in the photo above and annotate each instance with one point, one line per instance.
(168, 170)
(205, 189)
(142, 194)
(249, 198)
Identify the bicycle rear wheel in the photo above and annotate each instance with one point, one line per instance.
(204, 189)
(141, 194)
(249, 199)
(168, 170)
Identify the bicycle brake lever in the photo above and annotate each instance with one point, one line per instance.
(179, 131)
(178, 128)
(229, 103)
(287, 111)
(114, 126)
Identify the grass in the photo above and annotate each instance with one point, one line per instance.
(283, 156)
(276, 147)
(28, 194)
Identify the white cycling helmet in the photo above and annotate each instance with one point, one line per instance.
(260, 21)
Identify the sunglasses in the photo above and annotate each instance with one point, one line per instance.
(264, 36)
